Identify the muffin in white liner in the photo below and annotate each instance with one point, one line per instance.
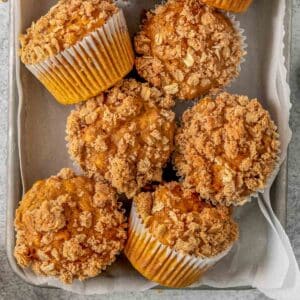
(124, 135)
(189, 49)
(69, 227)
(78, 50)
(167, 254)
(227, 148)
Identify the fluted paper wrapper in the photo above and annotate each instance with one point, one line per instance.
(91, 66)
(241, 32)
(158, 262)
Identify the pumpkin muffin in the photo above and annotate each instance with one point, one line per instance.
(78, 49)
(175, 236)
(188, 49)
(70, 227)
(236, 6)
(124, 135)
(227, 148)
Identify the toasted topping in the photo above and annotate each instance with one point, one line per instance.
(188, 49)
(124, 135)
(68, 22)
(57, 225)
(179, 218)
(227, 148)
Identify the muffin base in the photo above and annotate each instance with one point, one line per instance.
(160, 263)
(91, 66)
(230, 5)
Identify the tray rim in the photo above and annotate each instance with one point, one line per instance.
(279, 187)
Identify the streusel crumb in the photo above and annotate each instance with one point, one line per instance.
(124, 135)
(227, 148)
(188, 49)
(68, 22)
(179, 218)
(69, 227)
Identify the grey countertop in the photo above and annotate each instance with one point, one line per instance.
(11, 287)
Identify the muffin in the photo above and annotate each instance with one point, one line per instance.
(174, 236)
(124, 135)
(227, 148)
(78, 49)
(70, 227)
(188, 49)
(230, 5)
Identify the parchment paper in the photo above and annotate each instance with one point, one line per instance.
(262, 257)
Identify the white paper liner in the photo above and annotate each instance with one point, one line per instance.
(237, 27)
(89, 67)
(164, 271)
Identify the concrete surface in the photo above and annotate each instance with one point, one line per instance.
(13, 288)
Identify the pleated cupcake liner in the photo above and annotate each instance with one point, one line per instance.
(241, 32)
(236, 6)
(92, 65)
(269, 182)
(160, 263)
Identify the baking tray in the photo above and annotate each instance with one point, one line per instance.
(14, 182)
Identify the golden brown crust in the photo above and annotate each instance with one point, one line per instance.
(124, 135)
(70, 227)
(179, 218)
(68, 22)
(188, 49)
(226, 148)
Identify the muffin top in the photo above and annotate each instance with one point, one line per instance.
(226, 148)
(69, 227)
(66, 23)
(188, 49)
(179, 218)
(124, 135)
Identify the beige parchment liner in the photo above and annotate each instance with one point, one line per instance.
(160, 263)
(262, 257)
(91, 66)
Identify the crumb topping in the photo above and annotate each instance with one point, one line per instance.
(68, 22)
(188, 49)
(226, 148)
(69, 227)
(124, 135)
(179, 218)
